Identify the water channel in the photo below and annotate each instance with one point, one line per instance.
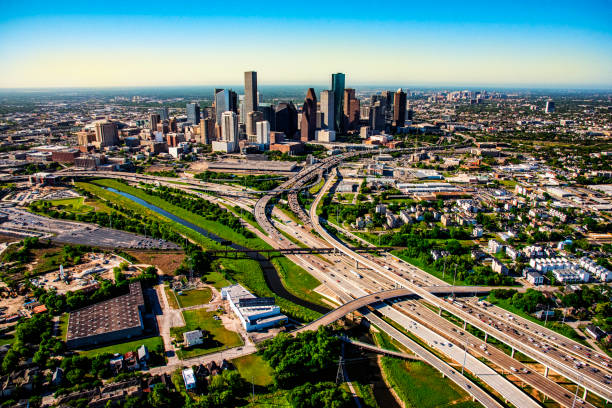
(270, 273)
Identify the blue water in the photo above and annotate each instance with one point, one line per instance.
(166, 214)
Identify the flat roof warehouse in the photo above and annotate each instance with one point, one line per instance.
(110, 320)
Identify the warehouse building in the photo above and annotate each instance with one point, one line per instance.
(116, 319)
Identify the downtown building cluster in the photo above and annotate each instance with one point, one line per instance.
(242, 123)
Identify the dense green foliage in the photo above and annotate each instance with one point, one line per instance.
(305, 357)
(263, 182)
(323, 394)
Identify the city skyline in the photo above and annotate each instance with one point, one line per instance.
(519, 45)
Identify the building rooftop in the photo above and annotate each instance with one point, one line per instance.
(120, 313)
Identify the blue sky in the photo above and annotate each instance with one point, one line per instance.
(112, 43)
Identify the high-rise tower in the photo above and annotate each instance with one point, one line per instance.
(327, 108)
(338, 90)
(399, 108)
(308, 124)
(193, 113)
(250, 92)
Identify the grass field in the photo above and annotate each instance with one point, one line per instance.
(75, 205)
(63, 320)
(217, 228)
(297, 280)
(277, 399)
(420, 385)
(221, 338)
(151, 342)
(194, 297)
(254, 369)
(172, 302)
(217, 279)
(448, 276)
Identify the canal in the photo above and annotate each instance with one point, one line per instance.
(271, 275)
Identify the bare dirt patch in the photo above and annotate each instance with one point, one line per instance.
(166, 261)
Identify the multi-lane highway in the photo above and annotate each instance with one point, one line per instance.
(393, 273)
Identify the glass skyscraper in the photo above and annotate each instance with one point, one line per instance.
(338, 90)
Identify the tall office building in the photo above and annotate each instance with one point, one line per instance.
(386, 100)
(221, 103)
(267, 110)
(550, 106)
(286, 119)
(193, 113)
(263, 133)
(233, 101)
(229, 127)
(207, 129)
(153, 121)
(327, 108)
(163, 113)
(377, 117)
(338, 90)
(309, 116)
(252, 118)
(250, 91)
(241, 109)
(399, 108)
(348, 94)
(107, 133)
(353, 117)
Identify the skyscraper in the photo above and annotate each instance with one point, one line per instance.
(399, 108)
(377, 119)
(221, 103)
(163, 113)
(207, 128)
(349, 95)
(267, 110)
(550, 106)
(229, 127)
(153, 121)
(353, 115)
(286, 119)
(338, 90)
(309, 116)
(263, 133)
(250, 91)
(252, 118)
(193, 113)
(107, 133)
(327, 108)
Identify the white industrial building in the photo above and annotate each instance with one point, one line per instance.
(254, 313)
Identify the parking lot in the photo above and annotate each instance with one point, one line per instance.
(80, 233)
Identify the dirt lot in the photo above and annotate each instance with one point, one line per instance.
(166, 261)
(79, 277)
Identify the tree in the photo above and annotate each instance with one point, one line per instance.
(325, 394)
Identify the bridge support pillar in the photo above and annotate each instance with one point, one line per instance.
(486, 337)
(545, 372)
(512, 354)
(356, 264)
(585, 394)
(464, 325)
(440, 311)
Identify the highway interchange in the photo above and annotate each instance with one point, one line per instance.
(552, 350)
(363, 280)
